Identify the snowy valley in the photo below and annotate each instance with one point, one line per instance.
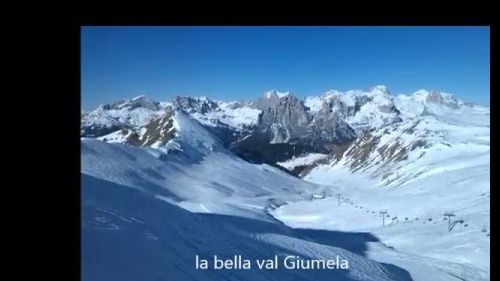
(364, 175)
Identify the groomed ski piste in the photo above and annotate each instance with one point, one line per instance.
(146, 217)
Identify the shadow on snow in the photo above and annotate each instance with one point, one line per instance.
(130, 235)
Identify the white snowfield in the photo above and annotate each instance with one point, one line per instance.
(450, 174)
(146, 217)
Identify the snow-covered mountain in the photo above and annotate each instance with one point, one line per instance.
(157, 209)
(435, 160)
(288, 120)
(108, 118)
(362, 110)
(163, 181)
(279, 127)
(235, 115)
(428, 122)
(314, 124)
(189, 147)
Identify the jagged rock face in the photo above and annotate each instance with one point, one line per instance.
(286, 119)
(439, 98)
(363, 111)
(335, 103)
(331, 127)
(279, 126)
(287, 128)
(190, 105)
(156, 133)
(443, 99)
(287, 111)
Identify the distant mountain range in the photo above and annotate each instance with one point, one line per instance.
(278, 126)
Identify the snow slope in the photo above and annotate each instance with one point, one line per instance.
(129, 234)
(415, 157)
(435, 161)
(146, 217)
(212, 178)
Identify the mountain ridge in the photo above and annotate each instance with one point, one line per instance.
(279, 126)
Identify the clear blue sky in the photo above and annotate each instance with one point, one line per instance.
(239, 63)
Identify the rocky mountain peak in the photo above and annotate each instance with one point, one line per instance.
(141, 101)
(278, 123)
(436, 97)
(190, 104)
(287, 111)
(275, 94)
(380, 89)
